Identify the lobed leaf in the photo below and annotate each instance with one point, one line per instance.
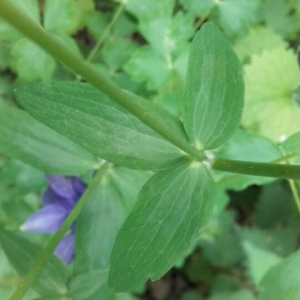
(172, 207)
(213, 97)
(90, 119)
(28, 140)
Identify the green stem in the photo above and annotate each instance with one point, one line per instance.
(106, 32)
(235, 177)
(281, 171)
(132, 103)
(48, 251)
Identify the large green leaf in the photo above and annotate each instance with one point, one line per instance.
(172, 207)
(30, 141)
(214, 90)
(282, 281)
(22, 254)
(105, 212)
(92, 120)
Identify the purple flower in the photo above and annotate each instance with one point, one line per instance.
(58, 200)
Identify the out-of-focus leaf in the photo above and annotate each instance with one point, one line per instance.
(259, 261)
(221, 244)
(22, 254)
(28, 140)
(83, 286)
(256, 41)
(89, 118)
(30, 61)
(171, 209)
(274, 207)
(276, 14)
(282, 281)
(269, 109)
(238, 295)
(65, 16)
(292, 146)
(214, 90)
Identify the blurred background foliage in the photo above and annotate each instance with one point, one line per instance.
(143, 46)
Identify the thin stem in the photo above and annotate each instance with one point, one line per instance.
(106, 31)
(48, 251)
(132, 103)
(235, 177)
(281, 171)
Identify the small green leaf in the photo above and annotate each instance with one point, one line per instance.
(214, 90)
(282, 281)
(22, 254)
(91, 119)
(63, 16)
(172, 207)
(30, 61)
(26, 139)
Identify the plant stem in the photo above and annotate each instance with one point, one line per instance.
(106, 31)
(132, 103)
(48, 251)
(235, 177)
(281, 171)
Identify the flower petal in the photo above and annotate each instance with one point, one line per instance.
(66, 248)
(62, 185)
(50, 197)
(78, 185)
(47, 219)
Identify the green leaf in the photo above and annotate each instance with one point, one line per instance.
(198, 7)
(91, 119)
(149, 8)
(271, 210)
(214, 90)
(64, 16)
(26, 139)
(259, 261)
(22, 254)
(292, 146)
(105, 212)
(83, 286)
(143, 66)
(256, 41)
(276, 15)
(237, 295)
(236, 16)
(172, 207)
(30, 61)
(116, 52)
(269, 109)
(221, 243)
(282, 281)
